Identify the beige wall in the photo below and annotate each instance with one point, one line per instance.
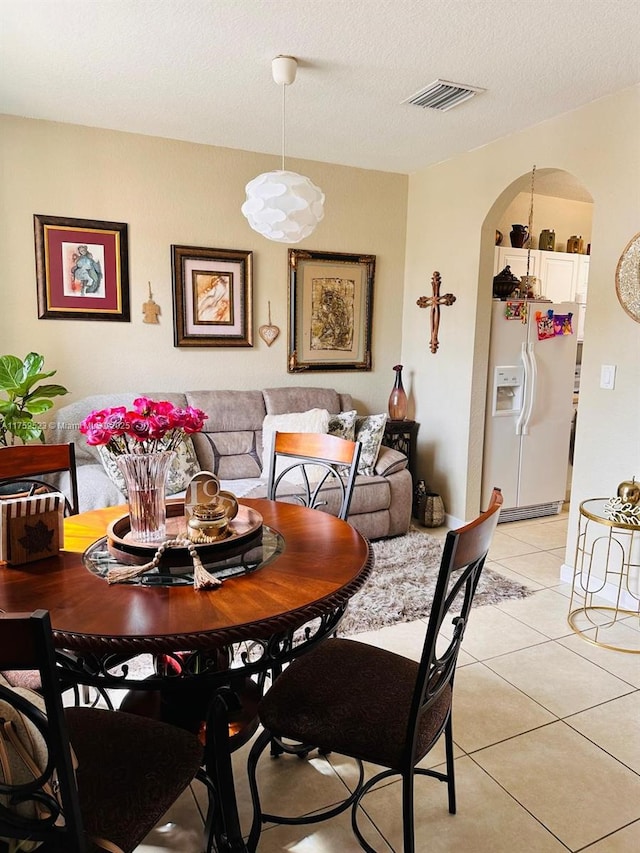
(454, 208)
(179, 193)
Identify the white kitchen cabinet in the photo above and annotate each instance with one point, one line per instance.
(516, 259)
(562, 276)
(558, 276)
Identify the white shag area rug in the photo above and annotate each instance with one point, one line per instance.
(401, 585)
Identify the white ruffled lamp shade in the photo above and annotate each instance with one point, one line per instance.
(283, 206)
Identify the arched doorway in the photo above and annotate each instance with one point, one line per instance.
(531, 383)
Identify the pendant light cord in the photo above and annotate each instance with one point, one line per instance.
(529, 238)
(284, 110)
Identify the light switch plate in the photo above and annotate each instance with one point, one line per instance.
(608, 376)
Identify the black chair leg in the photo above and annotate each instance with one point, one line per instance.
(408, 831)
(451, 779)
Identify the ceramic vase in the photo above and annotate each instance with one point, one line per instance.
(547, 241)
(398, 397)
(518, 235)
(146, 476)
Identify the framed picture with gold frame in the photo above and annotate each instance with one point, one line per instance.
(82, 269)
(212, 297)
(330, 311)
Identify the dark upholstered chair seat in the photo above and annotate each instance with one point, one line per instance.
(151, 761)
(307, 703)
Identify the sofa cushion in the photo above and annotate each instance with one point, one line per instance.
(389, 461)
(230, 455)
(229, 411)
(280, 401)
(370, 494)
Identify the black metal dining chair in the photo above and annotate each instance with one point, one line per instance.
(129, 770)
(323, 468)
(373, 705)
(29, 465)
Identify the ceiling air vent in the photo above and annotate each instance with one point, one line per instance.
(442, 95)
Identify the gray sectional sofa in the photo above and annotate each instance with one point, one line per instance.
(230, 445)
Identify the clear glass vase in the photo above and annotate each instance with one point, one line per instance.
(146, 477)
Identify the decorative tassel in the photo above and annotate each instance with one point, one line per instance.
(202, 579)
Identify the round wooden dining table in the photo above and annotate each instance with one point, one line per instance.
(275, 612)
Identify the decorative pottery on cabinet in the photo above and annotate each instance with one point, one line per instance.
(519, 236)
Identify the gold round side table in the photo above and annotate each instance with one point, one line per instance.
(607, 561)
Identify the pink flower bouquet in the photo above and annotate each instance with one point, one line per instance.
(150, 427)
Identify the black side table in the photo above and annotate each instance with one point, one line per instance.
(403, 436)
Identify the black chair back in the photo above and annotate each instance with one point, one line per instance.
(26, 644)
(463, 558)
(321, 462)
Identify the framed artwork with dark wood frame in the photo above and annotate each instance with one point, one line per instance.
(212, 297)
(82, 269)
(330, 310)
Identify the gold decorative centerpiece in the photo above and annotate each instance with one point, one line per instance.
(208, 509)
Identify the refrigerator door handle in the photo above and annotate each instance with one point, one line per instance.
(533, 364)
(525, 390)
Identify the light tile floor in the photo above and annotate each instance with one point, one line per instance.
(546, 726)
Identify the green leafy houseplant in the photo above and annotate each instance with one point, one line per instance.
(24, 398)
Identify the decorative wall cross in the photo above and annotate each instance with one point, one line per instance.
(434, 302)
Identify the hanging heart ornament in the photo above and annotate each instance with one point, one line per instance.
(269, 332)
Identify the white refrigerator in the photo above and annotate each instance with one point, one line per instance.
(529, 408)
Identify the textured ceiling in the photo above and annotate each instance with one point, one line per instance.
(200, 70)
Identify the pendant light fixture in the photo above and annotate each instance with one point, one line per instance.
(283, 206)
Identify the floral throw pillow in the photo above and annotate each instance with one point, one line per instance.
(343, 425)
(182, 469)
(369, 432)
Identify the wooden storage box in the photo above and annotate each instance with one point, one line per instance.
(31, 528)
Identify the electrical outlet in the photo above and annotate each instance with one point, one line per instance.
(608, 376)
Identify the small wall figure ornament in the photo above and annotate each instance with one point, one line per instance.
(434, 302)
(151, 310)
